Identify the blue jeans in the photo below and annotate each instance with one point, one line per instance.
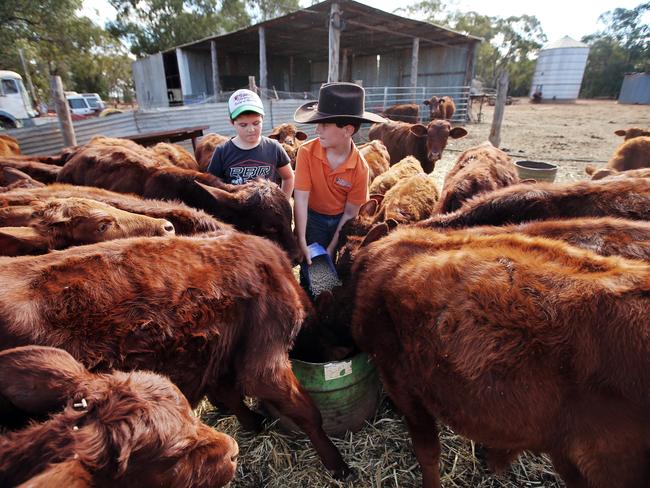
(321, 229)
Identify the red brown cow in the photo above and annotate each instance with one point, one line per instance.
(12, 178)
(376, 156)
(205, 149)
(186, 220)
(627, 198)
(478, 170)
(258, 207)
(411, 199)
(290, 138)
(526, 344)
(175, 155)
(217, 315)
(43, 172)
(59, 223)
(406, 112)
(128, 429)
(8, 146)
(441, 108)
(632, 154)
(426, 143)
(632, 132)
(630, 173)
(606, 236)
(405, 168)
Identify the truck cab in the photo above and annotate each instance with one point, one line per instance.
(16, 109)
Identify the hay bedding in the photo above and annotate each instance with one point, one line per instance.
(381, 453)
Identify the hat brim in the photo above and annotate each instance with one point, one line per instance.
(308, 114)
(246, 108)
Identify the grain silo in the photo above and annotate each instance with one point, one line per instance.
(559, 70)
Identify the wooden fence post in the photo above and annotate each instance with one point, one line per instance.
(334, 43)
(414, 66)
(63, 112)
(499, 109)
(216, 86)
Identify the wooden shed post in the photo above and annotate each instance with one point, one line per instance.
(63, 112)
(30, 86)
(216, 86)
(291, 68)
(499, 109)
(414, 66)
(345, 65)
(334, 43)
(263, 81)
(469, 66)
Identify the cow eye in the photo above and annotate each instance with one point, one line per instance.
(103, 226)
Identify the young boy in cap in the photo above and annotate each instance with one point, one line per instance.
(250, 155)
(331, 176)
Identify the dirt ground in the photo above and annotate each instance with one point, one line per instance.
(381, 453)
(569, 135)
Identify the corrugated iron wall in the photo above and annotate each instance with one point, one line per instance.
(47, 139)
(635, 89)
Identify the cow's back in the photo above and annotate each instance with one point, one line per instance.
(171, 305)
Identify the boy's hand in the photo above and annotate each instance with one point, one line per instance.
(331, 249)
(305, 251)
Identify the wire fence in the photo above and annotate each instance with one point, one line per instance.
(378, 99)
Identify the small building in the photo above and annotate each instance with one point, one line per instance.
(559, 71)
(335, 40)
(635, 89)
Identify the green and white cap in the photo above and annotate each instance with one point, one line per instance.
(244, 101)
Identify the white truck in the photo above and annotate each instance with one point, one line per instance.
(16, 109)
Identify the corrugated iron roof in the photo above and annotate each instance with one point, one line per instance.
(305, 33)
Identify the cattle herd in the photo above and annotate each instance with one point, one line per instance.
(134, 284)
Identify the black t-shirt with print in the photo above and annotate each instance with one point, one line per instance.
(237, 166)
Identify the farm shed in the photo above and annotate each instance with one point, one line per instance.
(299, 51)
(635, 89)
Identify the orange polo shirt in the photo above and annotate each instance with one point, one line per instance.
(330, 189)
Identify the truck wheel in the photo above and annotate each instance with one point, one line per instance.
(6, 123)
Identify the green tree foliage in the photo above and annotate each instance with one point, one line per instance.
(509, 43)
(151, 26)
(624, 46)
(55, 40)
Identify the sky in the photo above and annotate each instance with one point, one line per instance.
(558, 18)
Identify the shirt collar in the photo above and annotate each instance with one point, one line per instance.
(349, 163)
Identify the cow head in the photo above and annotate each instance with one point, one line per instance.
(288, 134)
(258, 207)
(435, 136)
(74, 221)
(632, 132)
(436, 106)
(135, 427)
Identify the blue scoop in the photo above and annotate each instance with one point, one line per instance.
(319, 253)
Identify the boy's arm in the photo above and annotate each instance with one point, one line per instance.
(286, 173)
(351, 211)
(300, 205)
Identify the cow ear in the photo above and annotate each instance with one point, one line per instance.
(301, 136)
(376, 233)
(70, 474)
(274, 135)
(369, 208)
(17, 215)
(418, 130)
(20, 241)
(39, 380)
(620, 132)
(212, 199)
(457, 133)
(427, 102)
(378, 197)
(12, 175)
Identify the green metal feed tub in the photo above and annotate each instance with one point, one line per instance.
(536, 170)
(345, 392)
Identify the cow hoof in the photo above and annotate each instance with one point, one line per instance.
(346, 474)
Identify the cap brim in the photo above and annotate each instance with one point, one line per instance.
(308, 114)
(246, 108)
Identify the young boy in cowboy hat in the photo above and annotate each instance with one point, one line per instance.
(250, 155)
(331, 180)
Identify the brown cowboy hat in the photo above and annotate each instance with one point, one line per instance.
(336, 101)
